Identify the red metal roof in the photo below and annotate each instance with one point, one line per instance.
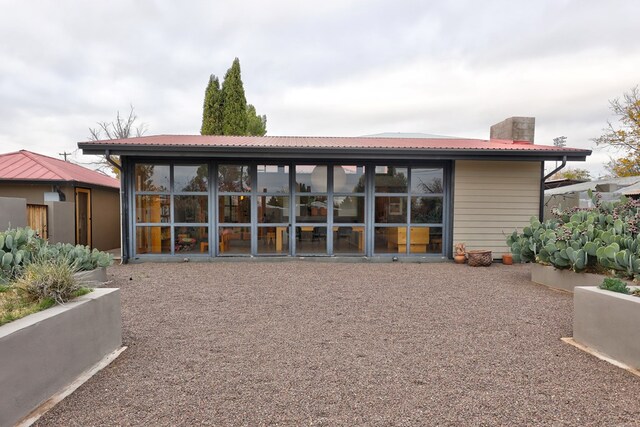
(301, 142)
(25, 165)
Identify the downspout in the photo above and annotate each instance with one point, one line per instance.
(544, 179)
(124, 252)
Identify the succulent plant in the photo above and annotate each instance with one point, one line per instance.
(20, 246)
(16, 248)
(606, 236)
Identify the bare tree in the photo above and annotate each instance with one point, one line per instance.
(120, 128)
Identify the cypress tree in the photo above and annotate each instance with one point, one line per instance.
(256, 125)
(212, 109)
(234, 111)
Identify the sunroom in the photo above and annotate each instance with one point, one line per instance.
(202, 197)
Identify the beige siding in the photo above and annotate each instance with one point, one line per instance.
(491, 199)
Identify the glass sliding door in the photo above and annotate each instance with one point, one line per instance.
(171, 209)
(408, 210)
(348, 219)
(426, 210)
(152, 200)
(273, 208)
(234, 209)
(311, 209)
(191, 208)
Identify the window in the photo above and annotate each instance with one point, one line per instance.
(172, 209)
(274, 210)
(234, 209)
(408, 210)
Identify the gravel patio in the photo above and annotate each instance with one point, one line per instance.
(314, 343)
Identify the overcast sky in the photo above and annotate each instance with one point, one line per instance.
(345, 68)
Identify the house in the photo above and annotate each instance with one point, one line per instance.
(215, 196)
(64, 202)
(576, 195)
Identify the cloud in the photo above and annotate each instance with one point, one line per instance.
(334, 68)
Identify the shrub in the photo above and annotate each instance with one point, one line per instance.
(45, 279)
(615, 285)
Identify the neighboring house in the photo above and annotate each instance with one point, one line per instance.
(576, 195)
(562, 182)
(64, 202)
(210, 196)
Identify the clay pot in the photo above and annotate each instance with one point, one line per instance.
(507, 259)
(460, 259)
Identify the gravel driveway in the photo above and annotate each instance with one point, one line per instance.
(310, 343)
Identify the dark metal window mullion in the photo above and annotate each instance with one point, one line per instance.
(292, 210)
(133, 249)
(171, 208)
(408, 218)
(209, 230)
(329, 242)
(369, 203)
(253, 209)
(214, 247)
(447, 214)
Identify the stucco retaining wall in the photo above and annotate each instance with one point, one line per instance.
(608, 323)
(563, 279)
(93, 278)
(13, 212)
(566, 280)
(42, 353)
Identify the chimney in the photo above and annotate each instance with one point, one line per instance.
(520, 129)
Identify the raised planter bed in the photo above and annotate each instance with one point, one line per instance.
(607, 322)
(92, 278)
(563, 279)
(42, 353)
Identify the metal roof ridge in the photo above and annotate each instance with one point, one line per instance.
(11, 153)
(51, 168)
(285, 137)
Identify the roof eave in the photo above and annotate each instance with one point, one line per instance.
(328, 153)
(71, 183)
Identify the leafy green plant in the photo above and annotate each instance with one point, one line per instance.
(615, 285)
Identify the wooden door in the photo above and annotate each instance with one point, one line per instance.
(83, 216)
(37, 219)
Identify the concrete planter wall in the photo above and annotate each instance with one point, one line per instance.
(608, 323)
(93, 278)
(563, 279)
(42, 353)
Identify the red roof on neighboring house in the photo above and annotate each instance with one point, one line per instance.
(220, 141)
(25, 165)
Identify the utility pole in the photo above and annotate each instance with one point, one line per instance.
(65, 154)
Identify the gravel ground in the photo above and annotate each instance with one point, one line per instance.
(308, 343)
